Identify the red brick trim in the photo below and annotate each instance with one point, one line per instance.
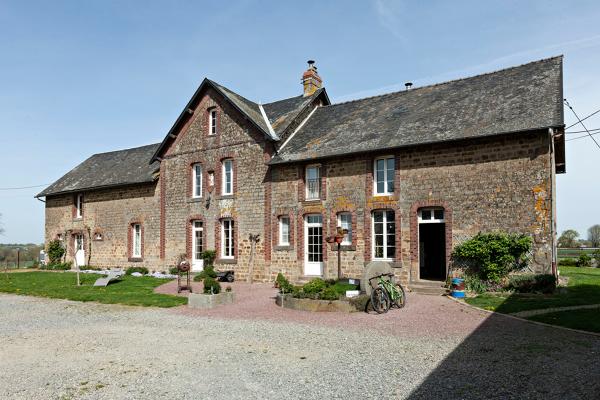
(300, 232)
(236, 243)
(190, 172)
(301, 187)
(130, 256)
(382, 203)
(188, 237)
(333, 224)
(323, 194)
(414, 227)
(163, 188)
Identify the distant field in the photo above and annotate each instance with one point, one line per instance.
(13, 265)
(574, 253)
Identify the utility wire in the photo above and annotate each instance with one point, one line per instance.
(581, 137)
(591, 130)
(581, 122)
(592, 114)
(24, 187)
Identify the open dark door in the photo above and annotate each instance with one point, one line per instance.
(432, 251)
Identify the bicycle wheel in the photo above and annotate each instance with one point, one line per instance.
(380, 301)
(401, 300)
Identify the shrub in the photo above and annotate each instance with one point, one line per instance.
(211, 286)
(207, 272)
(584, 260)
(596, 256)
(543, 283)
(57, 266)
(361, 302)
(341, 287)
(329, 293)
(55, 251)
(493, 255)
(90, 268)
(141, 270)
(283, 284)
(474, 284)
(314, 286)
(209, 257)
(567, 262)
(173, 270)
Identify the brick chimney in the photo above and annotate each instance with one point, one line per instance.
(311, 79)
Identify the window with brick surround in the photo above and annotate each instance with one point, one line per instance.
(227, 239)
(136, 239)
(383, 240)
(344, 221)
(79, 206)
(197, 180)
(284, 231)
(227, 176)
(383, 176)
(312, 181)
(431, 215)
(212, 121)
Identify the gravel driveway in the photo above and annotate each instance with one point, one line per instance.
(58, 349)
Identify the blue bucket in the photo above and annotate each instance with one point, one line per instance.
(458, 288)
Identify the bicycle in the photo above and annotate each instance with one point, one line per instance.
(386, 294)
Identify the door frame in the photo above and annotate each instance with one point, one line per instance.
(308, 266)
(78, 239)
(433, 220)
(197, 265)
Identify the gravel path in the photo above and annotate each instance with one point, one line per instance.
(58, 349)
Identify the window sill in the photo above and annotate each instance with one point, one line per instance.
(77, 219)
(135, 259)
(226, 196)
(226, 261)
(282, 247)
(195, 199)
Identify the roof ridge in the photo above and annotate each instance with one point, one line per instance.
(130, 148)
(448, 81)
(232, 91)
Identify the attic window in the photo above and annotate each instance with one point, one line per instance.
(212, 121)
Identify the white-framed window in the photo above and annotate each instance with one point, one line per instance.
(227, 239)
(197, 241)
(284, 230)
(345, 222)
(384, 235)
(197, 180)
(227, 177)
(383, 175)
(431, 215)
(79, 206)
(313, 182)
(137, 241)
(212, 126)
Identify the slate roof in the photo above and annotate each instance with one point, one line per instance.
(115, 168)
(516, 99)
(281, 113)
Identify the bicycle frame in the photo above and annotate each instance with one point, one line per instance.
(389, 287)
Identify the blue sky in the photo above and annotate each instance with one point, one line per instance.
(78, 78)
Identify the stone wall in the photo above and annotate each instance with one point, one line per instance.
(239, 141)
(108, 213)
(501, 183)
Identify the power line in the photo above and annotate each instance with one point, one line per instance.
(592, 114)
(581, 122)
(581, 137)
(24, 187)
(591, 130)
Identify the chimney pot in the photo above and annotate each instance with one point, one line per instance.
(311, 81)
(408, 85)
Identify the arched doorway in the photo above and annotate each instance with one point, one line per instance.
(432, 243)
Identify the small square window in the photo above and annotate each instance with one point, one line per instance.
(438, 214)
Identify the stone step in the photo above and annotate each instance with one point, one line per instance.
(434, 288)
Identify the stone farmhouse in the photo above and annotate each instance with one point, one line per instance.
(409, 175)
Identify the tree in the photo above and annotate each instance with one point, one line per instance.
(594, 235)
(568, 238)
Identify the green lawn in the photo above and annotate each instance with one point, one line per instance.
(584, 288)
(135, 291)
(587, 320)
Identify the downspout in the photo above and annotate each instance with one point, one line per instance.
(551, 133)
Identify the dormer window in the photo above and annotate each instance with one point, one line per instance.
(212, 121)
